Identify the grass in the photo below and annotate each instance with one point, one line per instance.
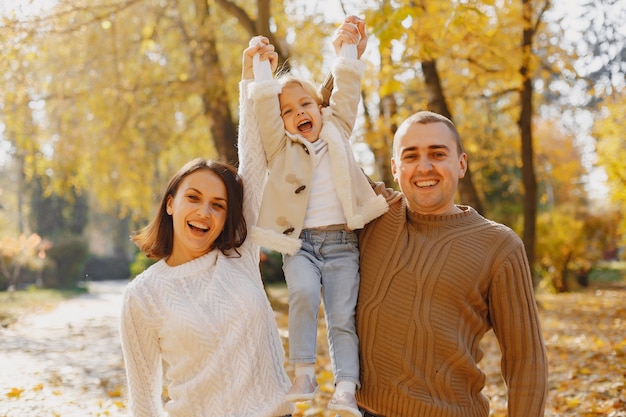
(608, 272)
(32, 300)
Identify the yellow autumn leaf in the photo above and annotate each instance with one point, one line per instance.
(573, 402)
(115, 393)
(38, 387)
(15, 392)
(301, 408)
(314, 412)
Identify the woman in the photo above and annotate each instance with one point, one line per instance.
(201, 309)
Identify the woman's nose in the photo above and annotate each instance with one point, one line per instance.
(206, 210)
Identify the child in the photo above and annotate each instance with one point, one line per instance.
(315, 197)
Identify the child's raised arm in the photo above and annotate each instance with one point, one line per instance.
(351, 31)
(266, 52)
(327, 86)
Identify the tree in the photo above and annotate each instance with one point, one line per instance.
(381, 137)
(119, 84)
(15, 254)
(57, 215)
(206, 62)
(609, 131)
(108, 98)
(381, 129)
(531, 20)
(570, 237)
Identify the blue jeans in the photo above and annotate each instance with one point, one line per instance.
(327, 265)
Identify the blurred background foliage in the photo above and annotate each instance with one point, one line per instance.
(102, 100)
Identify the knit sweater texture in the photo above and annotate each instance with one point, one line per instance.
(210, 323)
(431, 287)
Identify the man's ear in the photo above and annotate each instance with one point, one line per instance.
(394, 170)
(463, 163)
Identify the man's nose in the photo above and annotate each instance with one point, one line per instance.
(424, 165)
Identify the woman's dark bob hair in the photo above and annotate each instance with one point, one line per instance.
(157, 238)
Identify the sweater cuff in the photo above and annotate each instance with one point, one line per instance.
(264, 89)
(354, 66)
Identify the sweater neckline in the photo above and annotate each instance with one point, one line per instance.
(188, 268)
(414, 217)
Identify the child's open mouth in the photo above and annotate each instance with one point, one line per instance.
(305, 126)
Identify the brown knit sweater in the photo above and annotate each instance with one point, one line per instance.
(431, 286)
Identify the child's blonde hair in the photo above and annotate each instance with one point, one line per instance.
(287, 80)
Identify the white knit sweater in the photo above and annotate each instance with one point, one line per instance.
(210, 323)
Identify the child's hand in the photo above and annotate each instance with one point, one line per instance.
(349, 32)
(266, 52)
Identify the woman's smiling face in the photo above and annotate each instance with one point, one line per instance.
(198, 211)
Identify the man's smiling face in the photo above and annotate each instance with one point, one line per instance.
(427, 166)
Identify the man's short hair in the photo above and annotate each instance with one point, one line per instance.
(425, 117)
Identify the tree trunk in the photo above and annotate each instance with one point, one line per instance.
(525, 126)
(437, 103)
(214, 94)
(260, 26)
(560, 282)
(381, 142)
(383, 153)
(21, 192)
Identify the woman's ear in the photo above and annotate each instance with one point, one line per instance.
(168, 206)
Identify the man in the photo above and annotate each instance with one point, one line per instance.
(435, 277)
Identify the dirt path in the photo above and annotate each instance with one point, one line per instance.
(65, 363)
(68, 362)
